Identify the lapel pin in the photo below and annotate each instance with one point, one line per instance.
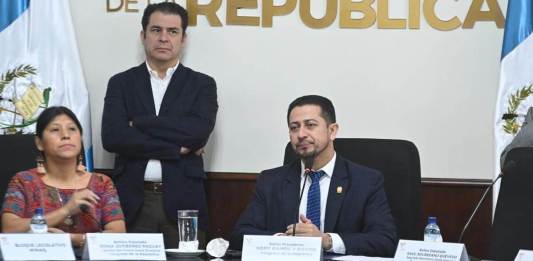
(339, 190)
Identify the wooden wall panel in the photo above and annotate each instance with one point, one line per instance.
(450, 200)
(227, 196)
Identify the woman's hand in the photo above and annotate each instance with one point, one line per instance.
(85, 197)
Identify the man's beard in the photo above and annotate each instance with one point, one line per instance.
(309, 161)
(307, 154)
(308, 157)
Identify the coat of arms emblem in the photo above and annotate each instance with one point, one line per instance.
(21, 99)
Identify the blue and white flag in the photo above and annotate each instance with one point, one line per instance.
(40, 66)
(515, 94)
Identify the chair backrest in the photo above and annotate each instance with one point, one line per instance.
(399, 162)
(17, 153)
(512, 228)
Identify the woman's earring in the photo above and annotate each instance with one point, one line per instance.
(80, 164)
(40, 164)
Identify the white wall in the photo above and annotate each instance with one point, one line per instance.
(435, 88)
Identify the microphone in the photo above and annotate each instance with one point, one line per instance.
(308, 162)
(507, 167)
(308, 168)
(84, 208)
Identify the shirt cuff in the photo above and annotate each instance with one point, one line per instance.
(337, 245)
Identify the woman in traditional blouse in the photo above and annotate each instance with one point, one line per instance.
(74, 200)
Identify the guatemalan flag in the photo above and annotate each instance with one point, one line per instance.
(40, 66)
(515, 94)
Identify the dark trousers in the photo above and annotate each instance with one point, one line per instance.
(153, 219)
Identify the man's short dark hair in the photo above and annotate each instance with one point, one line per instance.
(166, 8)
(326, 106)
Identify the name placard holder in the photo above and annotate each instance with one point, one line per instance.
(524, 255)
(124, 246)
(430, 251)
(281, 248)
(26, 246)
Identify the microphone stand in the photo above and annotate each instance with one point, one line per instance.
(477, 207)
(506, 168)
(308, 166)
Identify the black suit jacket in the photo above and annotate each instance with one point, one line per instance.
(186, 119)
(360, 214)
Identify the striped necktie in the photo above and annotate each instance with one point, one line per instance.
(313, 198)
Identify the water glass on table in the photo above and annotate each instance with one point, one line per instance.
(188, 230)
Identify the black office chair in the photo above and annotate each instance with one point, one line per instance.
(17, 153)
(399, 162)
(512, 228)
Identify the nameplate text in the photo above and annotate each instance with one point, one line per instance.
(29, 246)
(281, 248)
(122, 246)
(430, 251)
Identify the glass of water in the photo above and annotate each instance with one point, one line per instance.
(188, 230)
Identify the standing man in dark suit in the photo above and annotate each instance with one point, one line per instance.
(157, 119)
(343, 203)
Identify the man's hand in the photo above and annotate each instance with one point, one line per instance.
(184, 150)
(305, 228)
(198, 152)
(308, 229)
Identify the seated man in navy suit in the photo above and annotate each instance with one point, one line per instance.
(343, 203)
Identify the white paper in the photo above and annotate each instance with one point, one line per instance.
(524, 255)
(217, 247)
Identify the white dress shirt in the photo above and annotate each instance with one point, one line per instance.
(337, 245)
(153, 170)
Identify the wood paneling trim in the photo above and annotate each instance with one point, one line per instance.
(458, 182)
(425, 181)
(231, 176)
(253, 176)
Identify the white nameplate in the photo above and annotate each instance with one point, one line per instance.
(124, 246)
(36, 246)
(524, 255)
(430, 251)
(281, 248)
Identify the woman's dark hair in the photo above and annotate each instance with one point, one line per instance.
(49, 114)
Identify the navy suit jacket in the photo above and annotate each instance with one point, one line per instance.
(360, 214)
(186, 118)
